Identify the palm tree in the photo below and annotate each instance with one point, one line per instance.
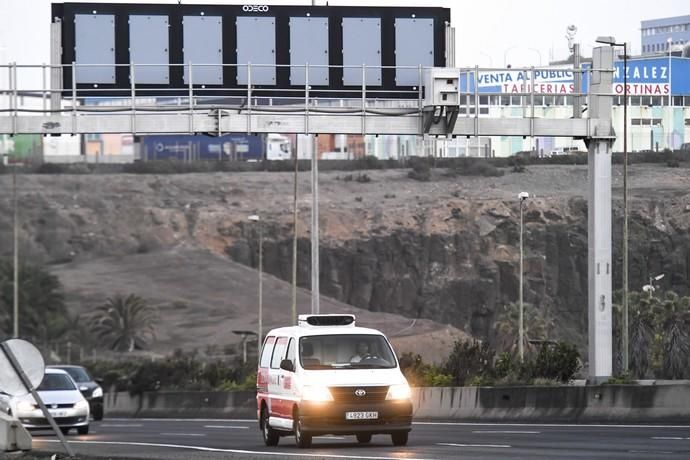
(675, 341)
(537, 326)
(41, 301)
(126, 323)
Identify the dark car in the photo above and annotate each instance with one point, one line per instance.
(89, 387)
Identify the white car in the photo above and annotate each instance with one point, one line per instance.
(61, 397)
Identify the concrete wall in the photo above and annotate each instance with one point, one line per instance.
(190, 404)
(608, 403)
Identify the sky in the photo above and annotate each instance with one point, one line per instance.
(488, 33)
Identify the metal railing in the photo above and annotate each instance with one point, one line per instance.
(80, 101)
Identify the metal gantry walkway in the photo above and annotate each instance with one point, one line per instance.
(147, 109)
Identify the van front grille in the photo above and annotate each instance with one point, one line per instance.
(359, 394)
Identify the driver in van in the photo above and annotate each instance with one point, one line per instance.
(362, 352)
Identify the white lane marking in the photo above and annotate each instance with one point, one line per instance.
(232, 451)
(555, 425)
(452, 444)
(230, 427)
(226, 420)
(547, 425)
(182, 434)
(650, 452)
(668, 438)
(122, 425)
(505, 432)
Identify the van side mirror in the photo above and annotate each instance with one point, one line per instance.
(98, 381)
(287, 365)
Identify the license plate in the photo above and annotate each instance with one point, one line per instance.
(361, 415)
(58, 413)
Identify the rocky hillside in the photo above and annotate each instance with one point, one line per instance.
(444, 250)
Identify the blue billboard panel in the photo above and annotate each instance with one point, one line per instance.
(185, 147)
(645, 77)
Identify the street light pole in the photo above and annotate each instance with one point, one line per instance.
(626, 326)
(670, 96)
(15, 224)
(670, 100)
(521, 344)
(260, 330)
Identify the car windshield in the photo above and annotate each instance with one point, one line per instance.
(79, 374)
(348, 351)
(56, 382)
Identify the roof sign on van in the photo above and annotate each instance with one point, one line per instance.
(326, 320)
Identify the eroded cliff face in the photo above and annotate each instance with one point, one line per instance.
(445, 250)
(456, 261)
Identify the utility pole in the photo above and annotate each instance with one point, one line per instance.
(315, 307)
(15, 330)
(521, 328)
(294, 240)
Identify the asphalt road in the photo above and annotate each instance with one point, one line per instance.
(240, 439)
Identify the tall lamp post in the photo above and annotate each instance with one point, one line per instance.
(521, 344)
(670, 96)
(626, 347)
(257, 219)
(15, 249)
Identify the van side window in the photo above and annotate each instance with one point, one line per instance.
(291, 351)
(278, 352)
(267, 352)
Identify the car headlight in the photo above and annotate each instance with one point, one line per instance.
(97, 393)
(25, 406)
(316, 393)
(400, 391)
(81, 404)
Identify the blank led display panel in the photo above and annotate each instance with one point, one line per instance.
(308, 45)
(202, 42)
(148, 44)
(414, 46)
(362, 45)
(256, 44)
(94, 44)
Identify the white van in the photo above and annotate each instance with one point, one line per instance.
(327, 376)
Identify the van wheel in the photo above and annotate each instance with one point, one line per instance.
(302, 439)
(65, 430)
(399, 438)
(270, 435)
(83, 430)
(363, 438)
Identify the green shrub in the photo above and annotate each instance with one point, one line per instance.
(468, 360)
(559, 361)
(421, 170)
(621, 379)
(184, 372)
(473, 167)
(420, 374)
(368, 162)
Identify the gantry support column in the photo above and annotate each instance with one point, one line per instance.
(599, 216)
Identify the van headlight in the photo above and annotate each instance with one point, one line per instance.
(398, 392)
(316, 393)
(97, 393)
(80, 405)
(25, 406)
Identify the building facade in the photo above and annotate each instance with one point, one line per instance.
(658, 34)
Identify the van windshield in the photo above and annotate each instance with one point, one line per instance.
(348, 351)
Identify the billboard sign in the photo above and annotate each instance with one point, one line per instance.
(223, 41)
(645, 77)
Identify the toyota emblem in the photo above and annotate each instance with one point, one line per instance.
(54, 406)
(360, 392)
